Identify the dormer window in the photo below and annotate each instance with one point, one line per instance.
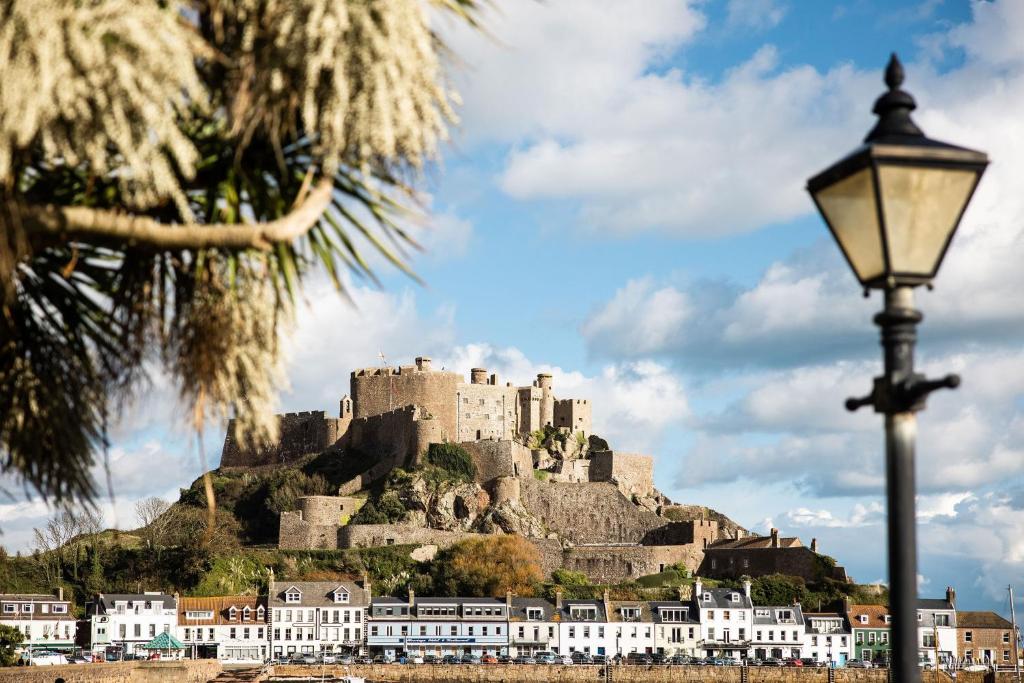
(735, 597)
(293, 596)
(920, 616)
(534, 614)
(863, 618)
(233, 613)
(246, 613)
(259, 612)
(707, 597)
(630, 613)
(341, 596)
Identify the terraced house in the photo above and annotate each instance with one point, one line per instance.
(44, 620)
(726, 618)
(869, 625)
(985, 638)
(778, 632)
(676, 627)
(438, 626)
(231, 628)
(936, 629)
(532, 627)
(317, 616)
(828, 638)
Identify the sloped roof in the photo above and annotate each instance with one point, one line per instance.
(721, 598)
(221, 608)
(520, 605)
(934, 603)
(656, 606)
(617, 605)
(107, 600)
(318, 594)
(164, 641)
(876, 616)
(772, 618)
(755, 543)
(982, 620)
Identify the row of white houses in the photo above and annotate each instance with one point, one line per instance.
(341, 617)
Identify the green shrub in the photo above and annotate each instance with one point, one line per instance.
(540, 475)
(453, 459)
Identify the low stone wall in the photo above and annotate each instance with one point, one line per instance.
(518, 673)
(195, 671)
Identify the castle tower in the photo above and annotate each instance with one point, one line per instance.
(345, 407)
(547, 399)
(478, 376)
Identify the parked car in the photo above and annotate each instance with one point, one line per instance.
(327, 658)
(659, 658)
(450, 659)
(772, 661)
(794, 662)
(470, 659)
(524, 659)
(364, 660)
(731, 661)
(810, 661)
(599, 659)
(678, 660)
(858, 664)
(639, 658)
(488, 659)
(564, 660)
(580, 657)
(545, 657)
(346, 660)
(504, 659)
(383, 659)
(431, 659)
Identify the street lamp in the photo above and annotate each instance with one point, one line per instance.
(893, 205)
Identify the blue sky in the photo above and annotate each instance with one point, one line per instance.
(622, 204)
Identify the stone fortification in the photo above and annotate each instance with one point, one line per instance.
(186, 671)
(375, 535)
(613, 563)
(588, 513)
(573, 414)
(300, 434)
(376, 391)
(494, 459)
(634, 474)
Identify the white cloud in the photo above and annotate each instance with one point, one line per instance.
(756, 15)
(860, 515)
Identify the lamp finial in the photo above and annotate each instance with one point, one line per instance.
(894, 107)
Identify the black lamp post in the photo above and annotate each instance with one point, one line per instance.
(893, 205)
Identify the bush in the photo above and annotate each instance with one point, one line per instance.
(452, 458)
(487, 567)
(386, 509)
(540, 475)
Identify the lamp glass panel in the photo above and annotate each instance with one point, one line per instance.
(849, 208)
(921, 208)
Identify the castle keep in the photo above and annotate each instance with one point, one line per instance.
(540, 473)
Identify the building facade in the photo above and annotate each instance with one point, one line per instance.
(438, 626)
(726, 618)
(869, 625)
(127, 621)
(583, 627)
(827, 638)
(632, 626)
(778, 632)
(676, 628)
(44, 620)
(985, 638)
(532, 627)
(936, 630)
(317, 616)
(229, 628)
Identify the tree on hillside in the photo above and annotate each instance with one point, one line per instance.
(156, 522)
(488, 566)
(170, 170)
(10, 639)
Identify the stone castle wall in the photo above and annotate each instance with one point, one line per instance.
(495, 459)
(573, 414)
(486, 411)
(335, 510)
(186, 671)
(382, 390)
(374, 535)
(588, 513)
(300, 434)
(634, 473)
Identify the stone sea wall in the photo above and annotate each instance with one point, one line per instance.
(195, 671)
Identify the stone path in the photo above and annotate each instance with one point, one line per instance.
(239, 676)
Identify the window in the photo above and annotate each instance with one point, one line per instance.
(28, 608)
(711, 633)
(600, 631)
(863, 618)
(534, 614)
(572, 631)
(969, 636)
(138, 630)
(277, 634)
(231, 633)
(9, 608)
(1006, 637)
(871, 638)
(725, 614)
(293, 596)
(883, 637)
(1006, 655)
(860, 637)
(152, 631)
(711, 612)
(341, 596)
(199, 615)
(759, 635)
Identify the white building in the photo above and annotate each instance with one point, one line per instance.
(127, 621)
(584, 627)
(726, 618)
(676, 628)
(778, 632)
(632, 627)
(317, 616)
(229, 628)
(532, 627)
(438, 626)
(828, 638)
(936, 629)
(45, 620)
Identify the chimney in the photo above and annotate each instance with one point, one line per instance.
(478, 376)
(366, 584)
(558, 600)
(494, 379)
(746, 587)
(508, 603)
(814, 545)
(423, 363)
(951, 596)
(412, 599)
(846, 604)
(698, 588)
(270, 582)
(60, 593)
(775, 537)
(607, 605)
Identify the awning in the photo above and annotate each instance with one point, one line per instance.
(164, 641)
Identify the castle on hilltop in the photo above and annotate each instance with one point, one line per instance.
(540, 472)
